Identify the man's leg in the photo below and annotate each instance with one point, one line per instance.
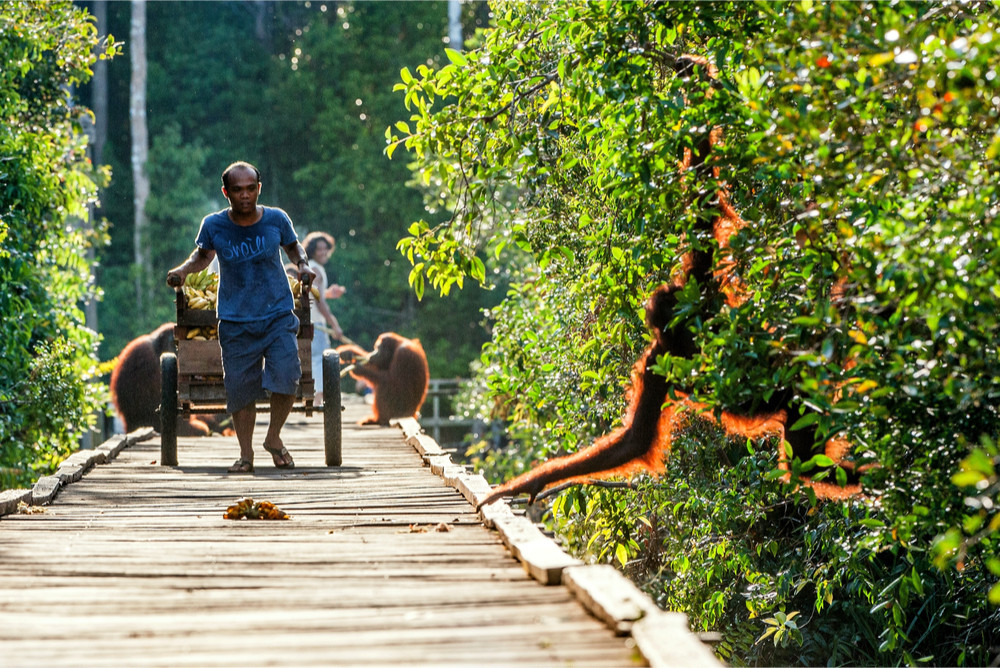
(281, 406)
(282, 370)
(241, 370)
(243, 422)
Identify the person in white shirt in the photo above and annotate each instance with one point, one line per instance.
(319, 246)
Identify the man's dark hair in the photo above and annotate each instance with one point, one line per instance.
(313, 240)
(240, 164)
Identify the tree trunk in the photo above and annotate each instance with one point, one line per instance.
(140, 145)
(263, 14)
(98, 135)
(455, 24)
(99, 88)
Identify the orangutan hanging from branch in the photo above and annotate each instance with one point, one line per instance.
(642, 443)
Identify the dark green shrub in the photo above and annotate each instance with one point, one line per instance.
(47, 354)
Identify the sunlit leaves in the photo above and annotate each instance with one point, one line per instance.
(978, 475)
(47, 355)
(455, 57)
(860, 148)
(782, 629)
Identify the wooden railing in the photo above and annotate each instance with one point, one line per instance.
(434, 416)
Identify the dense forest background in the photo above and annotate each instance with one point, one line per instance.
(304, 92)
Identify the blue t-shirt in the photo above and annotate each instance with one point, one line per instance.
(252, 280)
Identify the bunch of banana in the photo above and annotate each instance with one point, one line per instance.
(262, 510)
(201, 290)
(296, 287)
(202, 333)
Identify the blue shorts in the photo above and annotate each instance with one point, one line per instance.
(258, 356)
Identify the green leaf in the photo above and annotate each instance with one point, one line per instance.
(918, 582)
(822, 460)
(621, 553)
(478, 270)
(841, 476)
(804, 421)
(455, 57)
(994, 148)
(967, 478)
(994, 594)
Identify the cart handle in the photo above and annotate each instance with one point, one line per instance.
(179, 297)
(306, 282)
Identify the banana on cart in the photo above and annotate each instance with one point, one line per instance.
(201, 290)
(296, 287)
(202, 333)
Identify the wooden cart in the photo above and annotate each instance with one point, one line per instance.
(192, 379)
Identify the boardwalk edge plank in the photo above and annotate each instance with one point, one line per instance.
(609, 596)
(663, 638)
(70, 470)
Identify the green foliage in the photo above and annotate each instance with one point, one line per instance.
(303, 91)
(864, 161)
(333, 86)
(203, 98)
(979, 529)
(786, 582)
(47, 355)
(173, 214)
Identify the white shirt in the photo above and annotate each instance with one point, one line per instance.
(314, 313)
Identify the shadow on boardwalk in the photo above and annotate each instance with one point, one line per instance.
(381, 563)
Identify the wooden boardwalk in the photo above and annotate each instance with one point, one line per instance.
(381, 563)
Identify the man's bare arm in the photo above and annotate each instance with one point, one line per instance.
(198, 260)
(297, 255)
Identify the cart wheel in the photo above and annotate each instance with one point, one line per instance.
(168, 409)
(331, 407)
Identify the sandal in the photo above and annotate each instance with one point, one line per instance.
(241, 466)
(282, 458)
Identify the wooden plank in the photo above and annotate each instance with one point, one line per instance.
(541, 557)
(382, 563)
(608, 595)
(11, 498)
(199, 357)
(473, 487)
(601, 589)
(426, 446)
(665, 641)
(199, 363)
(45, 489)
(192, 317)
(305, 356)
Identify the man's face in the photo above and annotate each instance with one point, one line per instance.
(242, 191)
